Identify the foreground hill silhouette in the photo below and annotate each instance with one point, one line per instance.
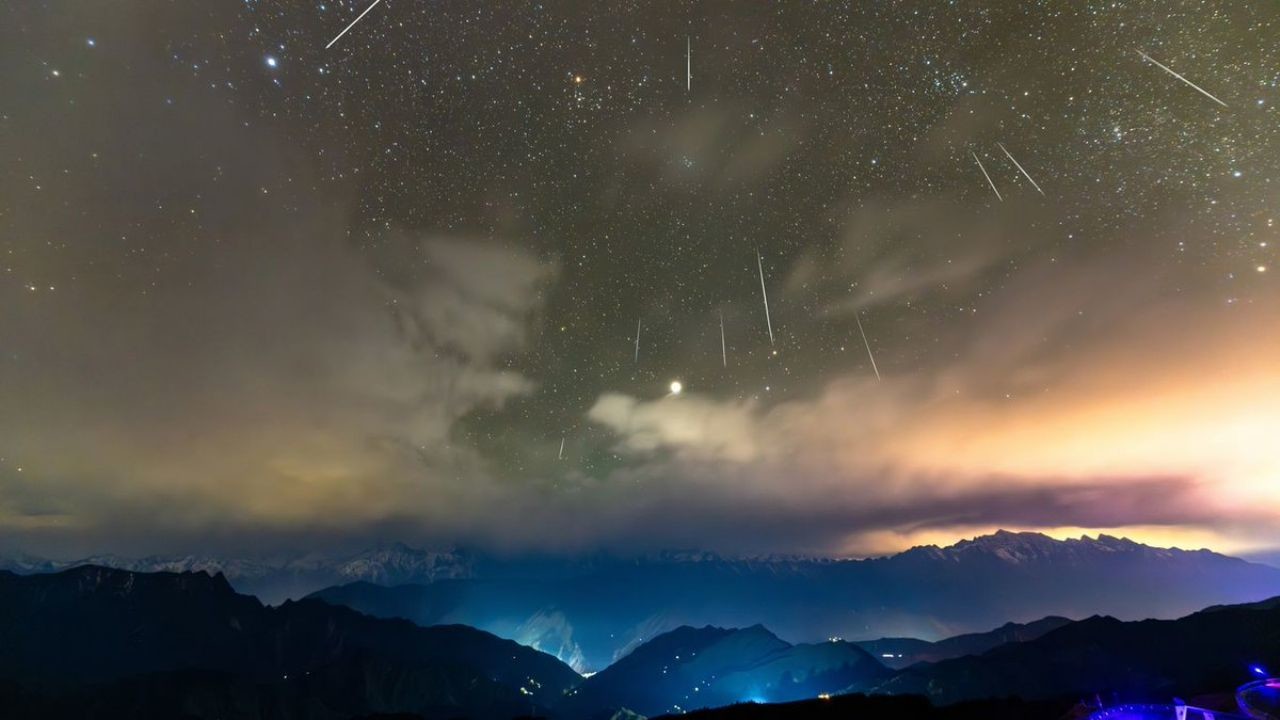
(1208, 653)
(858, 706)
(898, 653)
(593, 615)
(1203, 653)
(96, 642)
(690, 668)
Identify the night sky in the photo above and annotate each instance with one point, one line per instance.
(259, 294)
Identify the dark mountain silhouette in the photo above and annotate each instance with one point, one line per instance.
(596, 614)
(857, 706)
(1203, 656)
(899, 653)
(125, 644)
(101, 643)
(690, 668)
(1206, 652)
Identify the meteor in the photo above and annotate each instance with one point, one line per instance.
(1020, 168)
(764, 294)
(858, 316)
(724, 355)
(353, 24)
(988, 177)
(1169, 70)
(688, 63)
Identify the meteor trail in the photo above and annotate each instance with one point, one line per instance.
(988, 177)
(1170, 70)
(764, 294)
(637, 340)
(688, 63)
(858, 316)
(1020, 168)
(353, 24)
(724, 355)
(560, 456)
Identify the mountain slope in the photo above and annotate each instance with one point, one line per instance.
(1205, 652)
(593, 617)
(132, 632)
(899, 653)
(690, 668)
(844, 707)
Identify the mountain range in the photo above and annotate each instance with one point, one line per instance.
(291, 577)
(1205, 652)
(591, 611)
(1204, 655)
(593, 615)
(93, 642)
(103, 642)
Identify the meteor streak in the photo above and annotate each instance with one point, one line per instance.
(1020, 168)
(724, 355)
(988, 177)
(353, 24)
(688, 63)
(858, 316)
(764, 294)
(1170, 70)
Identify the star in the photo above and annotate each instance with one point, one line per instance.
(621, 220)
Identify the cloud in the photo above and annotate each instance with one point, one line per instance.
(230, 358)
(895, 250)
(815, 474)
(219, 357)
(1155, 419)
(310, 393)
(720, 430)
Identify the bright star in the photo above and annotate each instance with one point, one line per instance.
(271, 62)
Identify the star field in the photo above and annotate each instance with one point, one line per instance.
(837, 140)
